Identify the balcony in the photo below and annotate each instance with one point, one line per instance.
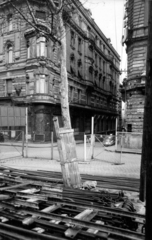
(40, 98)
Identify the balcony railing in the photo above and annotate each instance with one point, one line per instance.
(39, 97)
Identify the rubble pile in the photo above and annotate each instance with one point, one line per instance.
(36, 205)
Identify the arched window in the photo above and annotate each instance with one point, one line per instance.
(9, 53)
(41, 47)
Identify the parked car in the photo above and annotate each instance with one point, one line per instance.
(1, 137)
(109, 140)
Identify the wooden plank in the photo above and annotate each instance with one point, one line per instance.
(65, 130)
(29, 220)
(68, 157)
(86, 215)
(14, 186)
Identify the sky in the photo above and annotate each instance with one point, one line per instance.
(108, 14)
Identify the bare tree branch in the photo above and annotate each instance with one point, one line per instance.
(29, 7)
(52, 6)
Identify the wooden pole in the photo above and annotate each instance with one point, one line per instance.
(85, 149)
(51, 145)
(146, 163)
(92, 137)
(116, 133)
(23, 140)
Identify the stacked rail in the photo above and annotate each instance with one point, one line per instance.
(36, 205)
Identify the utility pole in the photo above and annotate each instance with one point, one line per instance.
(146, 161)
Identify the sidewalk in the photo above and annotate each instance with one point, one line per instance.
(123, 150)
(33, 144)
(48, 145)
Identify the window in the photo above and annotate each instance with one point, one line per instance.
(79, 45)
(72, 39)
(104, 48)
(91, 73)
(71, 95)
(9, 53)
(41, 49)
(129, 127)
(8, 87)
(104, 82)
(72, 64)
(79, 96)
(28, 49)
(100, 62)
(41, 84)
(10, 22)
(40, 15)
(88, 98)
(96, 59)
(104, 67)
(80, 75)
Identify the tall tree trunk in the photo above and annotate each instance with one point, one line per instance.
(146, 164)
(64, 78)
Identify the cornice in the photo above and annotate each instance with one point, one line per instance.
(95, 26)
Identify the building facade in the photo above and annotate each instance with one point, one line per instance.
(135, 37)
(30, 68)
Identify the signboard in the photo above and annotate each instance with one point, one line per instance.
(12, 116)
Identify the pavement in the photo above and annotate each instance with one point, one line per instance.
(106, 161)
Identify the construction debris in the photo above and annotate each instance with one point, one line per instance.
(36, 205)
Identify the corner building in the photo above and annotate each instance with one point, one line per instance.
(30, 68)
(135, 37)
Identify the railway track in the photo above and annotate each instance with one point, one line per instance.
(36, 205)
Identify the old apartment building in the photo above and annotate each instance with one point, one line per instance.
(30, 68)
(135, 37)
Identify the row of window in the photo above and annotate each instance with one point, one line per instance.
(41, 85)
(41, 49)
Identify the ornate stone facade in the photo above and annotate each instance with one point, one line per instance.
(135, 38)
(30, 68)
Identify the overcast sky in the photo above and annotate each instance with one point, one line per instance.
(108, 14)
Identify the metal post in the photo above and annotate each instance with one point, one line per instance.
(92, 125)
(92, 137)
(51, 145)
(26, 132)
(22, 143)
(84, 147)
(116, 134)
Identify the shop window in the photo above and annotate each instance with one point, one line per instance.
(41, 48)
(41, 84)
